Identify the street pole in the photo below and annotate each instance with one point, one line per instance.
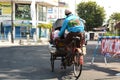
(58, 8)
(12, 24)
(75, 8)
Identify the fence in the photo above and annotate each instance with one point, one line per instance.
(110, 46)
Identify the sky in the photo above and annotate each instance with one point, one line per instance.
(110, 6)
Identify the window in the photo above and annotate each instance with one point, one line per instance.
(42, 13)
(22, 11)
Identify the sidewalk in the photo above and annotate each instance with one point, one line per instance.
(22, 42)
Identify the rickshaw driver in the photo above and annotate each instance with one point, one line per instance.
(75, 27)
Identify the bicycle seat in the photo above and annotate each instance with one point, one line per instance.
(76, 37)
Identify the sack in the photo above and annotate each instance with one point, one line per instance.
(55, 34)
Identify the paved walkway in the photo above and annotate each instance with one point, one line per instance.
(22, 42)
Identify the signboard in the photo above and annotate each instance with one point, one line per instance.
(5, 8)
(111, 46)
(50, 10)
(5, 11)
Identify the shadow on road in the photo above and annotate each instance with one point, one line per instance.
(25, 62)
(33, 63)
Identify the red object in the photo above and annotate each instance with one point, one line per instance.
(111, 46)
(81, 60)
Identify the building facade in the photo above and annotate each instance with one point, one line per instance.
(20, 11)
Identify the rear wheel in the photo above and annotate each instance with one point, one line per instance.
(52, 62)
(77, 66)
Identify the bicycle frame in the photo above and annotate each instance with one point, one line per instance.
(77, 58)
(74, 49)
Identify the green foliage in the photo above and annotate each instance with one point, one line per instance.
(92, 13)
(115, 16)
(118, 32)
(44, 25)
(73, 23)
(110, 34)
(22, 12)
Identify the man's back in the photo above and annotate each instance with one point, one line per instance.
(74, 24)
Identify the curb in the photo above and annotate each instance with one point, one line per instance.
(23, 43)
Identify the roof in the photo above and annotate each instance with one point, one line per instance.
(100, 28)
(117, 25)
(58, 23)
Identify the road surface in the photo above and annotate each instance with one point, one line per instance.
(33, 63)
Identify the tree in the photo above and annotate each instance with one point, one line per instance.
(92, 13)
(115, 16)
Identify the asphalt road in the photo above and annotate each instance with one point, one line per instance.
(33, 63)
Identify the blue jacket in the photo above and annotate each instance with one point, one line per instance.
(74, 28)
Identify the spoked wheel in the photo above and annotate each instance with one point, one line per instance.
(77, 66)
(52, 62)
(63, 63)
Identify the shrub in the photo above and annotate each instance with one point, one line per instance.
(110, 34)
(44, 25)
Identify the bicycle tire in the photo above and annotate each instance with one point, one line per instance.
(77, 66)
(52, 62)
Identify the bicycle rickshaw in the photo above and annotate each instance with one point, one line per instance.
(72, 58)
